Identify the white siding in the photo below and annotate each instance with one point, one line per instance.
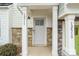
(17, 17)
(4, 17)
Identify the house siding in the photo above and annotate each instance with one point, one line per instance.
(4, 17)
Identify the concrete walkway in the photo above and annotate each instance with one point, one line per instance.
(40, 51)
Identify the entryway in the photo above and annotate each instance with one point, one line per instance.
(40, 37)
(40, 21)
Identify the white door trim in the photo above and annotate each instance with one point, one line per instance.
(45, 28)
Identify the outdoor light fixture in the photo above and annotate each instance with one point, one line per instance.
(28, 17)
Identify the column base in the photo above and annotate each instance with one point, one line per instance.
(69, 53)
(54, 53)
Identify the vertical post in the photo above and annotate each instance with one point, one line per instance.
(54, 31)
(70, 40)
(24, 33)
(63, 36)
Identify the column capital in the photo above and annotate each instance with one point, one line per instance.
(24, 9)
(71, 17)
(55, 7)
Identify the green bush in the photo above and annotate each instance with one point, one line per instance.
(8, 50)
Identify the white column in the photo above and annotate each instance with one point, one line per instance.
(63, 32)
(70, 40)
(63, 36)
(4, 23)
(54, 31)
(24, 33)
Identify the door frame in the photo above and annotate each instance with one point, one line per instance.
(45, 19)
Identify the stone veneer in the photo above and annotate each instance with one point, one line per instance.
(49, 36)
(17, 36)
(60, 38)
(29, 36)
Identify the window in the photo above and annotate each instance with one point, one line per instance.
(39, 21)
(36, 22)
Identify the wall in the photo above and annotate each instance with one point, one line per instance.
(13, 18)
(72, 10)
(61, 8)
(10, 22)
(9, 17)
(17, 18)
(68, 8)
(4, 17)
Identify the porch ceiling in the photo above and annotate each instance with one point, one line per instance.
(39, 7)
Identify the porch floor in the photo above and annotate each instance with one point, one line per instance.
(40, 51)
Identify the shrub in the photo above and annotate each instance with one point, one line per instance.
(8, 50)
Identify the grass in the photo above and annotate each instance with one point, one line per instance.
(77, 45)
(77, 39)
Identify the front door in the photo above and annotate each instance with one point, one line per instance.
(39, 31)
